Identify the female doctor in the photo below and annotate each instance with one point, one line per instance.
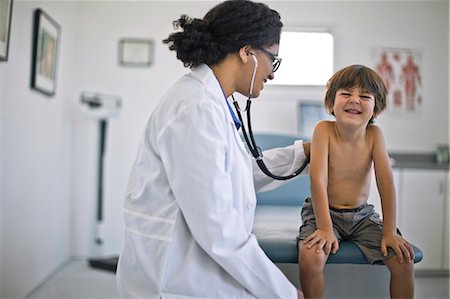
(190, 198)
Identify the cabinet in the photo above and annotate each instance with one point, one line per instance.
(422, 212)
(446, 252)
(374, 196)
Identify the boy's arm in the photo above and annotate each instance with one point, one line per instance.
(386, 189)
(324, 236)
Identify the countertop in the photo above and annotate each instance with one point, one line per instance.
(417, 160)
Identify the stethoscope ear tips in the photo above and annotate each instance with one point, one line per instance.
(254, 58)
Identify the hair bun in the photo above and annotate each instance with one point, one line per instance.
(194, 44)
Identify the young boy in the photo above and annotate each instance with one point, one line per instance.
(342, 154)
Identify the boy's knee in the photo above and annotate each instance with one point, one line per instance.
(310, 261)
(405, 268)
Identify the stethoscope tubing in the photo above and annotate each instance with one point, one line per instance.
(255, 150)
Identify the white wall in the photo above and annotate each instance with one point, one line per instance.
(35, 156)
(358, 27)
(48, 148)
(2, 96)
(447, 240)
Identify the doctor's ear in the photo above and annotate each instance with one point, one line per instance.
(244, 54)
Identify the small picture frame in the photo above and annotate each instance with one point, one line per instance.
(46, 40)
(136, 52)
(5, 27)
(309, 112)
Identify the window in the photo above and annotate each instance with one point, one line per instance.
(307, 58)
(308, 114)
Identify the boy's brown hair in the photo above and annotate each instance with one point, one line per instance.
(357, 76)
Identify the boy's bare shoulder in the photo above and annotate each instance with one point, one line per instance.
(325, 124)
(373, 127)
(374, 130)
(323, 128)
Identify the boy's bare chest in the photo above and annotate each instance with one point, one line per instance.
(349, 161)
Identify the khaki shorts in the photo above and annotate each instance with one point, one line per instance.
(362, 226)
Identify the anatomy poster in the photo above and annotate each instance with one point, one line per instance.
(401, 71)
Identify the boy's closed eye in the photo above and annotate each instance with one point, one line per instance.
(363, 96)
(367, 97)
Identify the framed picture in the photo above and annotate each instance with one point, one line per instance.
(5, 27)
(308, 114)
(46, 39)
(136, 52)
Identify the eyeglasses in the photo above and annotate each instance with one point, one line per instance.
(276, 61)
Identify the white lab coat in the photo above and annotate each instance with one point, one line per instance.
(190, 203)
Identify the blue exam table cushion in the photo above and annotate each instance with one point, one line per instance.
(276, 229)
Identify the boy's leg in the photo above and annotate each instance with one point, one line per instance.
(310, 263)
(367, 234)
(311, 266)
(402, 278)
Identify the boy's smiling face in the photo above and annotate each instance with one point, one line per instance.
(354, 106)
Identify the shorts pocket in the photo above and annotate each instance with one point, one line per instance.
(307, 211)
(375, 218)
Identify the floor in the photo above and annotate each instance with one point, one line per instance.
(77, 280)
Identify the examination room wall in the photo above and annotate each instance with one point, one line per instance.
(2, 96)
(447, 223)
(357, 33)
(35, 163)
(48, 146)
(359, 29)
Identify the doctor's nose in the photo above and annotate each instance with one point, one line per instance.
(271, 76)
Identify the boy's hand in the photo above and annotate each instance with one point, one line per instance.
(324, 240)
(401, 247)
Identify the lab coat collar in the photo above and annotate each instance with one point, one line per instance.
(204, 74)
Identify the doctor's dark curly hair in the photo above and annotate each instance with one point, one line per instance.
(225, 29)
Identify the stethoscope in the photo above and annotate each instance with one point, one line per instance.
(254, 149)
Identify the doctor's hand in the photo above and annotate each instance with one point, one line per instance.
(323, 239)
(300, 295)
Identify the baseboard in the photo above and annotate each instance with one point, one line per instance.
(50, 275)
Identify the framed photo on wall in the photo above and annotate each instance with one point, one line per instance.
(136, 52)
(5, 27)
(46, 39)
